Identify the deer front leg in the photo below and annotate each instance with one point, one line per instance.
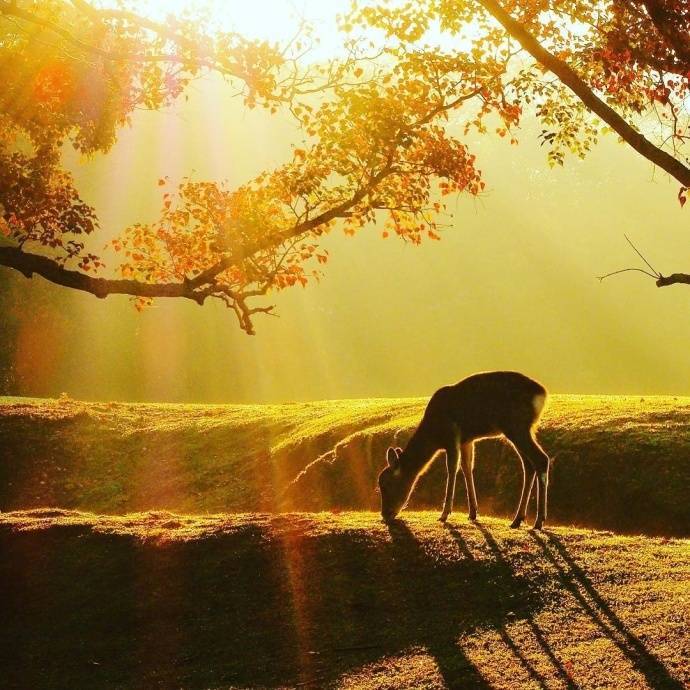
(467, 464)
(528, 475)
(451, 476)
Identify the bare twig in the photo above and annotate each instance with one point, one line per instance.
(637, 251)
(660, 280)
(625, 270)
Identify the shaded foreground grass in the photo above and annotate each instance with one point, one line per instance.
(622, 462)
(158, 600)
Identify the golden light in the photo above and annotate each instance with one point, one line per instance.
(511, 285)
(270, 20)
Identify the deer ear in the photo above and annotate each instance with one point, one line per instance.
(391, 457)
(398, 451)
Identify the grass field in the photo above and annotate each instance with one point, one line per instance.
(622, 463)
(186, 574)
(159, 600)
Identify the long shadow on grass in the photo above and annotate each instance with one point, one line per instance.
(252, 607)
(436, 611)
(575, 580)
(558, 667)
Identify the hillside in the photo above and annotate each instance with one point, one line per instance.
(622, 463)
(158, 600)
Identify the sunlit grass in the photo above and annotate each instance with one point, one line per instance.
(611, 453)
(172, 600)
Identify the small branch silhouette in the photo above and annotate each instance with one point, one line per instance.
(661, 280)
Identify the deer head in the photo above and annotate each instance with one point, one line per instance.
(394, 486)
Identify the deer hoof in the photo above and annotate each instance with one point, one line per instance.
(538, 526)
(472, 517)
(516, 523)
(443, 517)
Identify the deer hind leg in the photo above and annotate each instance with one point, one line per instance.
(467, 464)
(531, 452)
(451, 477)
(528, 476)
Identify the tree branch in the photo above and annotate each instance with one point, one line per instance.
(34, 264)
(661, 20)
(661, 280)
(11, 9)
(673, 279)
(582, 90)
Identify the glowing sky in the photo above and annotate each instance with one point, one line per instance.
(271, 20)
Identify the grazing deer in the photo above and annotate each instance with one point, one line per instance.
(480, 406)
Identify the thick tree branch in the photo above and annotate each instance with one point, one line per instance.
(34, 264)
(30, 264)
(673, 279)
(580, 88)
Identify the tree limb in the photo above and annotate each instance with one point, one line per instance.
(660, 280)
(34, 264)
(11, 9)
(661, 20)
(673, 279)
(581, 89)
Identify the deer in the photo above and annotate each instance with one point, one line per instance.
(484, 405)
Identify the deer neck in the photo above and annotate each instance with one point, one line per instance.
(418, 452)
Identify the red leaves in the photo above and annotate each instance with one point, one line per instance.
(54, 82)
(682, 196)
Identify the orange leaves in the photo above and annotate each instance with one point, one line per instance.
(141, 303)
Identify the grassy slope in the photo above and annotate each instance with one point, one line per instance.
(622, 463)
(157, 600)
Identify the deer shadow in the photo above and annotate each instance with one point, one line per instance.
(558, 668)
(257, 607)
(580, 587)
(250, 608)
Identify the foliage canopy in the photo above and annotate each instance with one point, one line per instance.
(383, 127)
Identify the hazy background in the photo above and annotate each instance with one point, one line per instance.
(511, 285)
